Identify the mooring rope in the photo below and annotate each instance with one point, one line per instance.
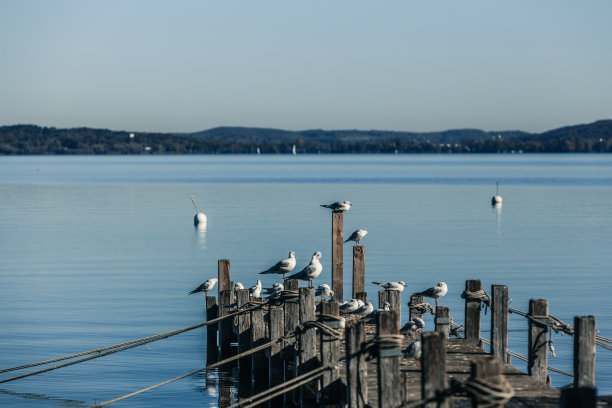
(423, 307)
(492, 391)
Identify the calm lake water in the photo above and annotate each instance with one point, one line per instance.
(100, 250)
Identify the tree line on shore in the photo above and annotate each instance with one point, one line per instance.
(36, 140)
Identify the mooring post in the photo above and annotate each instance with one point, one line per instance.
(433, 372)
(275, 361)
(363, 296)
(486, 369)
(292, 320)
(538, 341)
(244, 333)
(394, 297)
(337, 255)
(226, 326)
(259, 360)
(389, 379)
(356, 366)
(415, 300)
(584, 351)
(499, 322)
(212, 312)
(307, 346)
(223, 275)
(358, 270)
(472, 313)
(578, 398)
(442, 320)
(329, 346)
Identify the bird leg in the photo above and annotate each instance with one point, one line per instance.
(436, 299)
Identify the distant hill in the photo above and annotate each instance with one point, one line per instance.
(32, 139)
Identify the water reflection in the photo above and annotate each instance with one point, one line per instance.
(200, 234)
(41, 397)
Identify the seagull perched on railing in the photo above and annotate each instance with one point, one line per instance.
(413, 325)
(324, 291)
(284, 266)
(255, 291)
(392, 285)
(357, 236)
(338, 206)
(434, 292)
(310, 272)
(205, 287)
(413, 350)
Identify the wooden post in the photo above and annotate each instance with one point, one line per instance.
(472, 313)
(358, 270)
(223, 274)
(212, 312)
(363, 296)
(244, 333)
(389, 379)
(259, 359)
(415, 300)
(538, 341)
(329, 346)
(226, 329)
(578, 398)
(394, 297)
(433, 362)
(292, 320)
(584, 351)
(442, 320)
(356, 366)
(499, 322)
(275, 366)
(307, 346)
(484, 369)
(337, 255)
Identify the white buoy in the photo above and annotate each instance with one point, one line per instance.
(199, 220)
(497, 199)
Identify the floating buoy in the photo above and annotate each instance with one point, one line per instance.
(199, 220)
(497, 199)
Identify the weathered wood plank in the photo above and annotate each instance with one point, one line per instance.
(292, 320)
(415, 300)
(223, 275)
(275, 360)
(259, 359)
(584, 351)
(442, 320)
(499, 322)
(538, 341)
(329, 349)
(337, 255)
(307, 346)
(389, 395)
(358, 270)
(356, 366)
(212, 312)
(472, 313)
(433, 361)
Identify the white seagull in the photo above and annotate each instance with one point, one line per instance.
(392, 285)
(338, 206)
(357, 236)
(324, 291)
(205, 287)
(371, 317)
(349, 307)
(255, 291)
(366, 309)
(310, 272)
(414, 351)
(413, 326)
(277, 287)
(284, 266)
(434, 292)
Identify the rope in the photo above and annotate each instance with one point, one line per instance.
(208, 367)
(283, 387)
(301, 328)
(422, 308)
(480, 295)
(489, 392)
(388, 341)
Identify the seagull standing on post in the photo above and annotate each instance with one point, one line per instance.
(255, 291)
(205, 287)
(284, 266)
(434, 292)
(338, 206)
(310, 272)
(392, 285)
(357, 236)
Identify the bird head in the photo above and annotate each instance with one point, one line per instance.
(348, 203)
(442, 284)
(402, 283)
(331, 293)
(386, 306)
(317, 255)
(291, 254)
(215, 280)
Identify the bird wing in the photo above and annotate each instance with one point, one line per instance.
(428, 292)
(198, 289)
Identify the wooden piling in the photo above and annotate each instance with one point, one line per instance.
(472, 313)
(484, 369)
(538, 341)
(329, 347)
(578, 397)
(212, 312)
(226, 329)
(292, 320)
(307, 346)
(415, 300)
(337, 255)
(244, 333)
(356, 366)
(259, 359)
(584, 351)
(363, 296)
(358, 270)
(275, 360)
(433, 362)
(394, 297)
(442, 320)
(388, 361)
(223, 275)
(499, 322)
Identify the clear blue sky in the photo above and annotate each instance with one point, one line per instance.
(333, 64)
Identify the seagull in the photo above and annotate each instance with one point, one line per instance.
(413, 350)
(284, 266)
(371, 317)
(205, 287)
(366, 309)
(357, 236)
(277, 287)
(237, 287)
(310, 272)
(413, 326)
(392, 285)
(324, 290)
(255, 291)
(434, 292)
(338, 206)
(349, 307)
